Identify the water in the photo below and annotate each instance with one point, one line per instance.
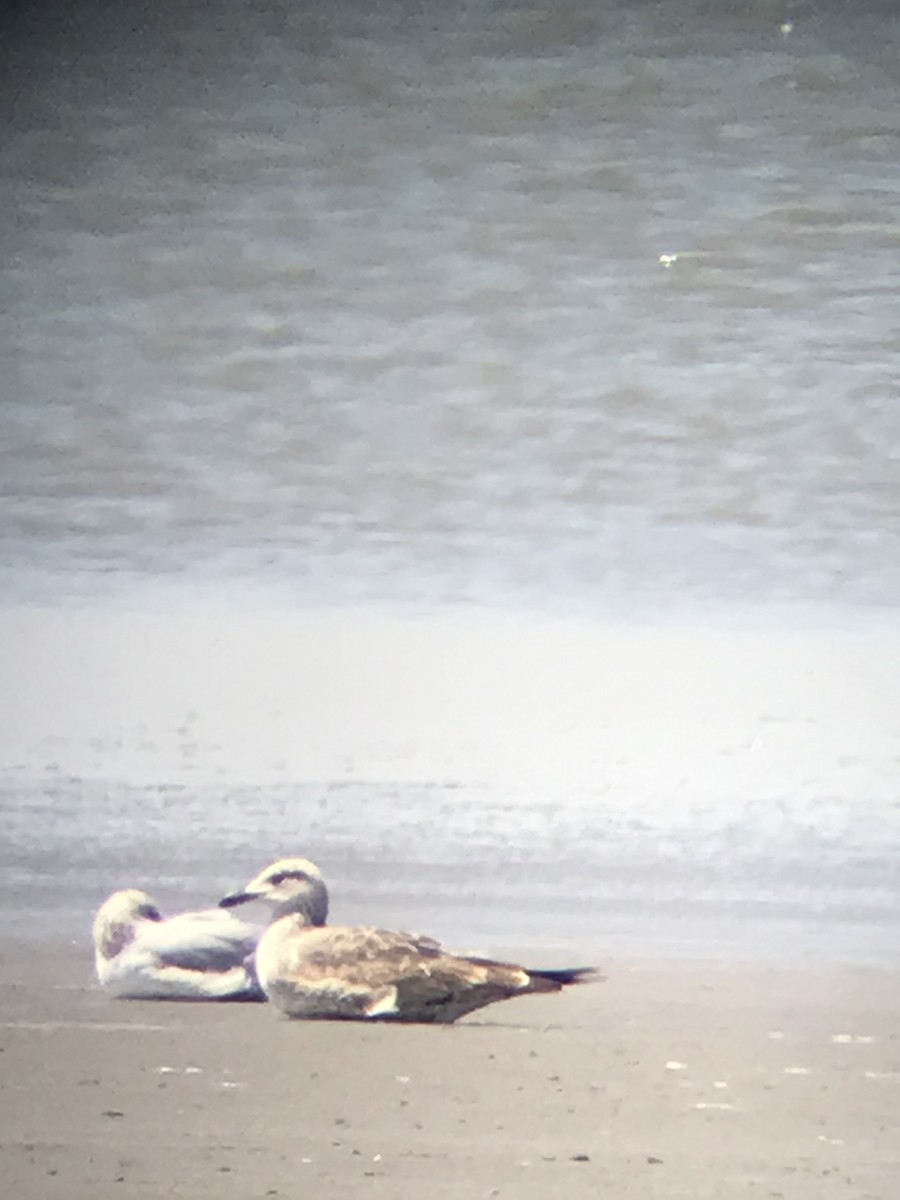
(445, 355)
(515, 783)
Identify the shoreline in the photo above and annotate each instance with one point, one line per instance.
(716, 789)
(681, 1080)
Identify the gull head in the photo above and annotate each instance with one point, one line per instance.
(116, 921)
(289, 886)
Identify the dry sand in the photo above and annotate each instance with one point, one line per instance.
(665, 1081)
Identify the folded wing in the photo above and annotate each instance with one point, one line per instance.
(367, 973)
(210, 940)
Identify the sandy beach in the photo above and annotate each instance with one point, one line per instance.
(664, 1081)
(674, 791)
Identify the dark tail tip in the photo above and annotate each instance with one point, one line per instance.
(566, 975)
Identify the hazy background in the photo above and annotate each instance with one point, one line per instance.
(458, 442)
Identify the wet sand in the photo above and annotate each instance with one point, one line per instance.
(720, 790)
(665, 1081)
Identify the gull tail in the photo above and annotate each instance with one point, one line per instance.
(563, 976)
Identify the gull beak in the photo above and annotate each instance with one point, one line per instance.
(235, 898)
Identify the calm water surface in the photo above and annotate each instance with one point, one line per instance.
(434, 309)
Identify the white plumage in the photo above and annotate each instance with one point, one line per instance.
(203, 955)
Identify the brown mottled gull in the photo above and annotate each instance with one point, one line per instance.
(205, 955)
(311, 970)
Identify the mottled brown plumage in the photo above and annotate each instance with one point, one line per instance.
(311, 970)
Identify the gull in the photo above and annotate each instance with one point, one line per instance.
(310, 969)
(205, 955)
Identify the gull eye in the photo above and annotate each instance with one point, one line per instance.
(280, 876)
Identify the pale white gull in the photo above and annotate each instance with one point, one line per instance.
(311, 970)
(204, 955)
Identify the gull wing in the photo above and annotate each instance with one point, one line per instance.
(366, 973)
(360, 953)
(209, 940)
